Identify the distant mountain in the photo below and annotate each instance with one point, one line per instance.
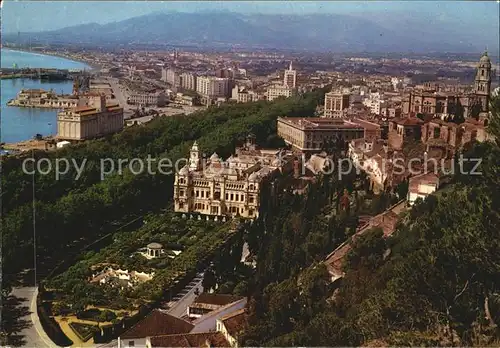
(318, 32)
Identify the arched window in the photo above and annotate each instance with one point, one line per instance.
(482, 72)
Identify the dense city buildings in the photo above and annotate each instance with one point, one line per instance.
(335, 104)
(90, 120)
(227, 188)
(430, 101)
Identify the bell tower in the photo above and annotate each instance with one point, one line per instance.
(194, 157)
(482, 83)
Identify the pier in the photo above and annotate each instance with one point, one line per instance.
(39, 74)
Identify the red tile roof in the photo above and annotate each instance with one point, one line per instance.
(235, 322)
(214, 339)
(84, 108)
(158, 323)
(409, 121)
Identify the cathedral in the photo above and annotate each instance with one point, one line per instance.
(442, 104)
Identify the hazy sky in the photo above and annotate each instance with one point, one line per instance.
(48, 15)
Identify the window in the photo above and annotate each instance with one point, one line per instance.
(216, 195)
(197, 193)
(202, 194)
(242, 198)
(250, 199)
(237, 197)
(181, 180)
(232, 197)
(131, 343)
(181, 205)
(181, 193)
(227, 196)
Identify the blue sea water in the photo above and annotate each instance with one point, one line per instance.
(17, 124)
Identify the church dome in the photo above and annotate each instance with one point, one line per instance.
(214, 157)
(485, 59)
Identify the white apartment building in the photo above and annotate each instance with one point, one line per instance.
(188, 81)
(172, 77)
(211, 86)
(277, 91)
(148, 99)
(375, 102)
(241, 95)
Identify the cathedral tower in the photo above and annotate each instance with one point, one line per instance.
(482, 82)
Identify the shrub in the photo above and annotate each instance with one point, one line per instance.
(84, 331)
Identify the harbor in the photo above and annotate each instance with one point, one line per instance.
(20, 124)
(39, 74)
(39, 98)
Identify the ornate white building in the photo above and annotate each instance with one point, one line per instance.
(227, 188)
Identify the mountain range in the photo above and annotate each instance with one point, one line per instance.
(315, 32)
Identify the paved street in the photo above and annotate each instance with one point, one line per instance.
(119, 94)
(179, 304)
(31, 333)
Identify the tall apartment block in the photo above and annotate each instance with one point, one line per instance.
(335, 104)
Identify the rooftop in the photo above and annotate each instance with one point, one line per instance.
(213, 339)
(216, 299)
(319, 123)
(408, 121)
(158, 323)
(235, 322)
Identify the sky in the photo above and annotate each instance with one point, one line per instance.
(49, 15)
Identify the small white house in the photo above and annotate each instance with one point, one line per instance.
(422, 185)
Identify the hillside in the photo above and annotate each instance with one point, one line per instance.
(319, 32)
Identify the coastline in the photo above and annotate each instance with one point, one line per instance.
(92, 65)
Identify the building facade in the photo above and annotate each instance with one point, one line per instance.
(90, 121)
(310, 134)
(335, 104)
(431, 101)
(226, 188)
(211, 86)
(243, 95)
(172, 77)
(277, 91)
(188, 81)
(147, 99)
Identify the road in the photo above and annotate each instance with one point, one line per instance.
(117, 91)
(180, 303)
(31, 333)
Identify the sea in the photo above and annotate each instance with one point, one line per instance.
(18, 124)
